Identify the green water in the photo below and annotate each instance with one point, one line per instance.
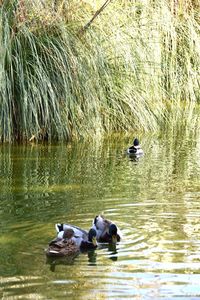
(154, 200)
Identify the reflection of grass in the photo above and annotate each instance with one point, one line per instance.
(8, 239)
(132, 69)
(55, 188)
(44, 189)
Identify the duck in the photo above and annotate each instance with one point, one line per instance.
(83, 239)
(135, 149)
(107, 231)
(65, 246)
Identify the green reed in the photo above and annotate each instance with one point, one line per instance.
(136, 68)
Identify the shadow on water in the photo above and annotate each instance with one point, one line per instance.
(54, 261)
(91, 254)
(92, 257)
(134, 157)
(110, 250)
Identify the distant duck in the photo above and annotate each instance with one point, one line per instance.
(65, 246)
(107, 232)
(135, 149)
(83, 239)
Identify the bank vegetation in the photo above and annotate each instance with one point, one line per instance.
(76, 69)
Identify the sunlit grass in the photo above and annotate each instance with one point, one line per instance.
(136, 68)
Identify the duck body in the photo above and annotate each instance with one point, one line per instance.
(65, 246)
(83, 239)
(107, 232)
(62, 248)
(135, 149)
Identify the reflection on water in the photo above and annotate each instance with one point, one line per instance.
(153, 199)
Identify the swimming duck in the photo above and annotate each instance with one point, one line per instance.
(83, 239)
(107, 232)
(135, 149)
(65, 246)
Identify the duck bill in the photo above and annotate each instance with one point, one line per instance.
(94, 241)
(114, 239)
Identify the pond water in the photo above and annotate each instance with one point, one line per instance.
(154, 200)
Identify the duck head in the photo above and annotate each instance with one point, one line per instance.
(136, 142)
(68, 233)
(92, 236)
(113, 232)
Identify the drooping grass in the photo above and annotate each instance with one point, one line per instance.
(135, 68)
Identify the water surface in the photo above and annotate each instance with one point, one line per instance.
(154, 200)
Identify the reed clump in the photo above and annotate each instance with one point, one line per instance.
(136, 67)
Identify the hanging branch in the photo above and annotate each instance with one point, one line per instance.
(85, 27)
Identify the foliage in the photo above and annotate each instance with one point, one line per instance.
(135, 68)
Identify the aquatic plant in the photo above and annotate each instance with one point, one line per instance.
(135, 67)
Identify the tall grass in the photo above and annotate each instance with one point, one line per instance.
(135, 68)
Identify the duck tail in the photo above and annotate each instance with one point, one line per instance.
(59, 227)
